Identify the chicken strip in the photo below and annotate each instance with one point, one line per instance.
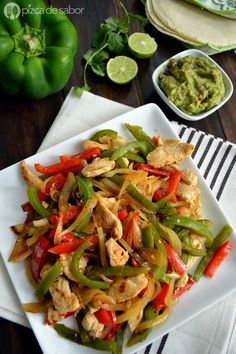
(63, 299)
(92, 325)
(168, 154)
(88, 144)
(118, 256)
(98, 167)
(125, 289)
(189, 177)
(108, 220)
(30, 178)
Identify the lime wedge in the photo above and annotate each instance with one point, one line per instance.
(142, 45)
(121, 69)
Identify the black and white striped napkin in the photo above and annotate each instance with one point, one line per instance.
(212, 332)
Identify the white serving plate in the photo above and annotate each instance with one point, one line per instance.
(193, 52)
(12, 190)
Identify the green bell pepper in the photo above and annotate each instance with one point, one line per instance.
(37, 48)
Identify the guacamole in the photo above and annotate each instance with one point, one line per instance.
(193, 84)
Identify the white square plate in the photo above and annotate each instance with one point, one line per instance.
(197, 53)
(12, 190)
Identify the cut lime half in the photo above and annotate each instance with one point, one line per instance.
(122, 69)
(142, 45)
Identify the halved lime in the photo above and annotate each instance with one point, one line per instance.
(122, 69)
(142, 45)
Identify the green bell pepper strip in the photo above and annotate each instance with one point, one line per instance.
(218, 241)
(107, 153)
(185, 257)
(122, 271)
(129, 155)
(36, 203)
(51, 276)
(193, 225)
(134, 157)
(74, 336)
(140, 135)
(167, 211)
(138, 337)
(84, 222)
(193, 251)
(108, 132)
(121, 162)
(146, 203)
(148, 236)
(141, 145)
(37, 49)
(119, 338)
(84, 336)
(77, 273)
(85, 188)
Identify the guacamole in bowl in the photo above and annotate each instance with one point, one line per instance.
(193, 84)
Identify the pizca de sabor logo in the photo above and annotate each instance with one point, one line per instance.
(12, 11)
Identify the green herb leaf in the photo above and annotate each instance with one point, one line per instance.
(97, 61)
(138, 18)
(99, 37)
(115, 43)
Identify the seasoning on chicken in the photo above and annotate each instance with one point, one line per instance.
(54, 316)
(97, 167)
(30, 178)
(189, 177)
(108, 220)
(92, 325)
(63, 299)
(187, 192)
(118, 256)
(126, 288)
(168, 154)
(87, 144)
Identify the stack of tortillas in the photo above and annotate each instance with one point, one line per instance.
(194, 26)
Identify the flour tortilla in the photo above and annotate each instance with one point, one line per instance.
(192, 23)
(160, 26)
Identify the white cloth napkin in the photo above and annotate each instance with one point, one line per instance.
(212, 332)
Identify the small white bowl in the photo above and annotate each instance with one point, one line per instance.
(193, 52)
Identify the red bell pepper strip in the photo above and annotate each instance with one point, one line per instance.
(103, 316)
(87, 155)
(122, 214)
(218, 258)
(71, 246)
(173, 184)
(55, 182)
(155, 139)
(68, 215)
(134, 263)
(112, 333)
(154, 171)
(174, 260)
(159, 301)
(38, 256)
(159, 194)
(62, 166)
(180, 291)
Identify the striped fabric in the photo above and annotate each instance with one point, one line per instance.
(216, 160)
